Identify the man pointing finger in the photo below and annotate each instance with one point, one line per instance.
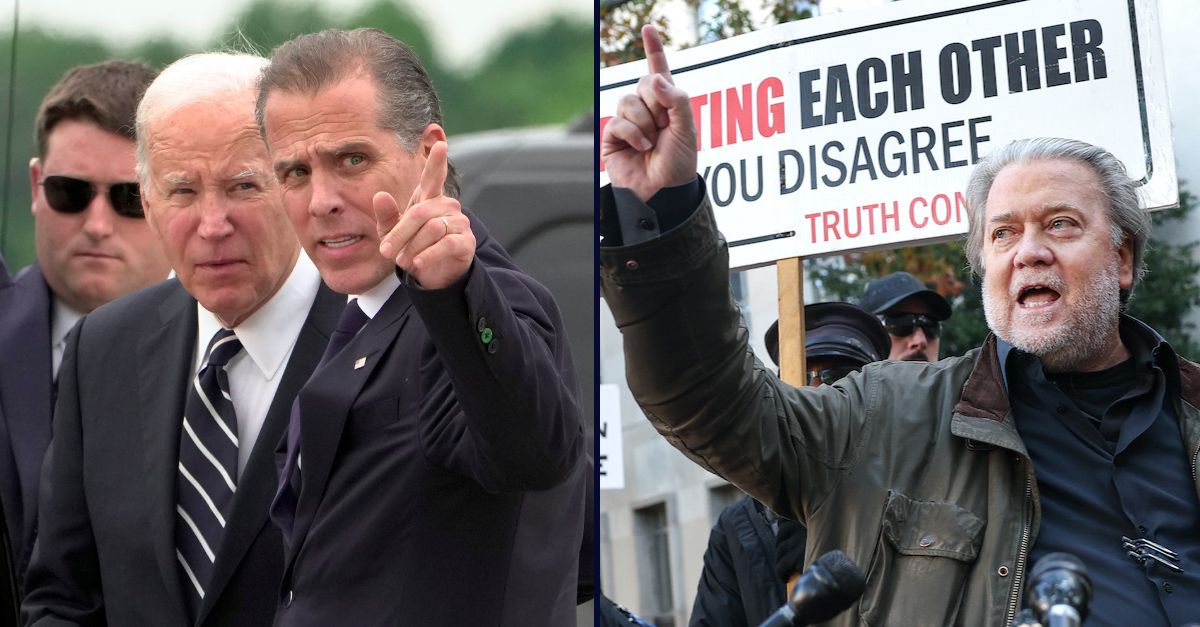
(439, 442)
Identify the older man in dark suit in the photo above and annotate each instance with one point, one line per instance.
(171, 401)
(435, 473)
(93, 246)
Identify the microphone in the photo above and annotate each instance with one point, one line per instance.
(1060, 590)
(832, 584)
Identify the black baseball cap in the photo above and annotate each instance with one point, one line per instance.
(883, 293)
(837, 330)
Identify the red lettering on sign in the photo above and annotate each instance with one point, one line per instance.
(912, 212)
(893, 215)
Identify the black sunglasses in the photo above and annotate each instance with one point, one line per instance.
(828, 375)
(66, 194)
(904, 325)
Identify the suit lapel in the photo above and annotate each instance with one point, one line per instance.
(25, 393)
(165, 357)
(325, 404)
(258, 482)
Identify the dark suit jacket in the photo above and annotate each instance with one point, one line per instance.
(106, 547)
(738, 585)
(9, 483)
(26, 377)
(443, 479)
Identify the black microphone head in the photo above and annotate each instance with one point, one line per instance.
(846, 576)
(832, 584)
(1059, 579)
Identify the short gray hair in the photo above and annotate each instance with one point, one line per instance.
(1129, 221)
(405, 95)
(206, 77)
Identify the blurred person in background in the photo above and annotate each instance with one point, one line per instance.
(93, 245)
(912, 314)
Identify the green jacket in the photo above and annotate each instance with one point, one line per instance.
(914, 469)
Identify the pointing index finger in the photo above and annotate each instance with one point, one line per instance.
(655, 56)
(433, 177)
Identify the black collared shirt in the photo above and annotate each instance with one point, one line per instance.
(1110, 462)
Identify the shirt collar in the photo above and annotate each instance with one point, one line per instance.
(64, 318)
(372, 300)
(262, 332)
(1144, 343)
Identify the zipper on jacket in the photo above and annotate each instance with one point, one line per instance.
(1195, 463)
(1019, 570)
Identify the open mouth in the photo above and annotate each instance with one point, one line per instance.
(1036, 296)
(340, 242)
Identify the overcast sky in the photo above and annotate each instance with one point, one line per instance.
(463, 28)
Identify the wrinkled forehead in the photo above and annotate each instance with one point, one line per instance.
(294, 119)
(229, 151)
(1045, 185)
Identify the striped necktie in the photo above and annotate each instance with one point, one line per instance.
(207, 473)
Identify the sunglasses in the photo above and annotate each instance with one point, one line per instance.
(904, 325)
(66, 194)
(828, 375)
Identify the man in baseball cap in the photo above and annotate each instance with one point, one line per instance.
(911, 312)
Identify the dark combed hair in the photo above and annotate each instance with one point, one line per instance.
(104, 93)
(405, 94)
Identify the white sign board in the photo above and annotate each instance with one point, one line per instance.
(611, 464)
(856, 131)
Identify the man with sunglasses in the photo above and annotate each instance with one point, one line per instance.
(912, 314)
(1074, 427)
(93, 245)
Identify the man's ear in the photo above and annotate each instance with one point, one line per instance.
(35, 190)
(146, 209)
(1125, 263)
(430, 136)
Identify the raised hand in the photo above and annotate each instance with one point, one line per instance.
(651, 141)
(431, 239)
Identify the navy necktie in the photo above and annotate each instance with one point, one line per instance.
(286, 496)
(348, 325)
(207, 472)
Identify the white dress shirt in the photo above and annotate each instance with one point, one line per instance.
(268, 337)
(60, 324)
(372, 300)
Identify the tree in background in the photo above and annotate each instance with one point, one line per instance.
(620, 26)
(1167, 294)
(517, 84)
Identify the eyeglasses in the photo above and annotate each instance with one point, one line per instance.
(828, 375)
(66, 194)
(904, 325)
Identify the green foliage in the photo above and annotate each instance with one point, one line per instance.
(268, 23)
(941, 266)
(1169, 290)
(539, 76)
(729, 18)
(621, 28)
(521, 92)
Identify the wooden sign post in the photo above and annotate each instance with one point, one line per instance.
(790, 276)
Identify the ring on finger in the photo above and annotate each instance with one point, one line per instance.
(445, 223)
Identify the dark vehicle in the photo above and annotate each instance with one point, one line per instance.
(533, 188)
